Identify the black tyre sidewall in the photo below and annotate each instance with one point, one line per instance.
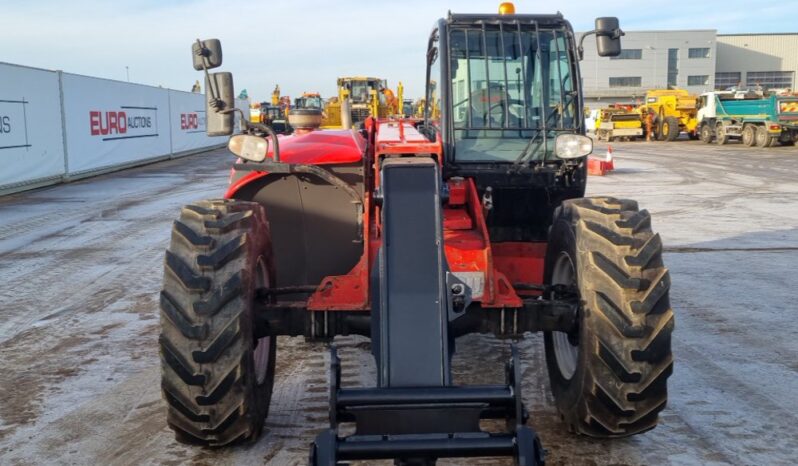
(567, 392)
(260, 248)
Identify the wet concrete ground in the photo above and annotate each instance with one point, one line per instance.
(80, 268)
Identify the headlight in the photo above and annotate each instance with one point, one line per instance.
(572, 146)
(248, 147)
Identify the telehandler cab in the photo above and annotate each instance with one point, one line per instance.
(414, 233)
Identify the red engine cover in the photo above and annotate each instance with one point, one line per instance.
(322, 147)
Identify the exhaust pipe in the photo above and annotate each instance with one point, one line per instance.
(346, 114)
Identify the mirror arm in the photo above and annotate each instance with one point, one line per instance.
(216, 103)
(581, 49)
(615, 34)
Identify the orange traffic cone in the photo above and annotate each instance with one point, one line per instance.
(608, 161)
(599, 167)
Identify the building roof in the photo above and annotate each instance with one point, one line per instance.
(671, 30)
(761, 34)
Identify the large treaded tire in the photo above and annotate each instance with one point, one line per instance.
(623, 345)
(220, 252)
(670, 128)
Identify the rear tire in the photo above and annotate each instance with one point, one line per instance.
(670, 128)
(749, 135)
(762, 137)
(217, 378)
(609, 378)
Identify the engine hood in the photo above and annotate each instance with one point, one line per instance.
(322, 147)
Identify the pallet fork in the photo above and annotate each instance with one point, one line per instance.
(416, 415)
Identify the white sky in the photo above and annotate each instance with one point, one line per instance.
(305, 45)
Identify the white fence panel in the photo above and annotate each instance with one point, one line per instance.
(31, 137)
(113, 123)
(188, 122)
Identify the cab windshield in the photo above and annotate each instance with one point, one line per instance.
(359, 92)
(311, 102)
(512, 92)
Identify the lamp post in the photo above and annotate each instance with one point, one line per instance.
(127, 73)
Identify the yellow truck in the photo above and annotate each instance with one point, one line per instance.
(618, 122)
(675, 111)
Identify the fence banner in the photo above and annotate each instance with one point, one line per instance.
(111, 123)
(187, 118)
(31, 137)
(54, 125)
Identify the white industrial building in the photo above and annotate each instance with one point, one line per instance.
(766, 60)
(696, 60)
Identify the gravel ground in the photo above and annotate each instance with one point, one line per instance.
(80, 268)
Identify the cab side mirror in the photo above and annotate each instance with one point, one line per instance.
(207, 54)
(220, 104)
(608, 36)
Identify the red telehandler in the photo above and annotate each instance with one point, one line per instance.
(413, 233)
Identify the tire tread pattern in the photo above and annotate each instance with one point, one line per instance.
(624, 289)
(206, 337)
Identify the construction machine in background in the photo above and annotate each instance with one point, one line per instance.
(618, 122)
(365, 98)
(276, 95)
(309, 100)
(407, 108)
(675, 112)
(413, 233)
(275, 117)
(254, 112)
(748, 116)
(394, 102)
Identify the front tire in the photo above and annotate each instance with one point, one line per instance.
(705, 134)
(217, 378)
(609, 378)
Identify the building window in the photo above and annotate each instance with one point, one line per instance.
(728, 79)
(698, 52)
(629, 54)
(700, 80)
(627, 81)
(769, 79)
(673, 67)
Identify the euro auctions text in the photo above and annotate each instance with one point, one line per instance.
(113, 122)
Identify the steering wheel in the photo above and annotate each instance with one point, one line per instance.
(494, 111)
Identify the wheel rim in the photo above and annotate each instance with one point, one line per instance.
(565, 351)
(263, 347)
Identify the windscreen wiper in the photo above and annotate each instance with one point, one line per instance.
(526, 154)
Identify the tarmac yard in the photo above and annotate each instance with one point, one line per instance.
(81, 267)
